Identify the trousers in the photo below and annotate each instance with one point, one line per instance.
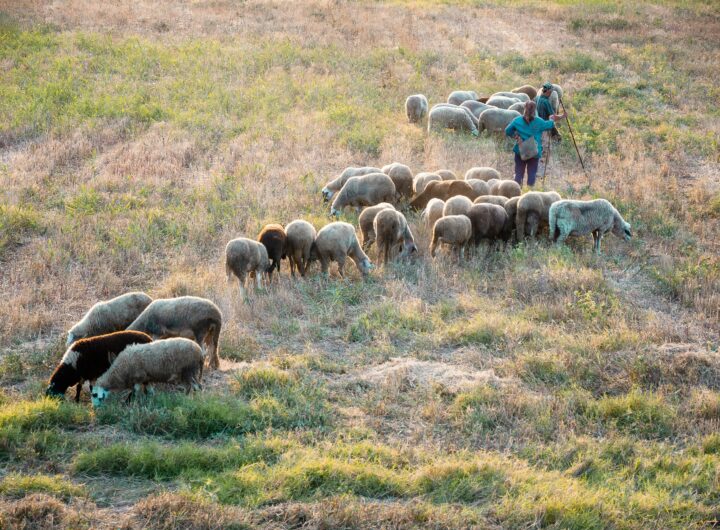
(521, 165)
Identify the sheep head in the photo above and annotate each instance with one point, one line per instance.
(365, 266)
(327, 194)
(98, 395)
(621, 228)
(70, 339)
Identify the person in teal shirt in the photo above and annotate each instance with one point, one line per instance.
(522, 128)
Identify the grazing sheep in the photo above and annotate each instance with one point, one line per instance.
(511, 209)
(512, 95)
(185, 316)
(335, 242)
(421, 180)
(465, 109)
(459, 96)
(488, 222)
(393, 231)
(558, 89)
(446, 174)
(578, 218)
(496, 120)
(87, 359)
(442, 190)
(533, 211)
(529, 90)
(458, 205)
(367, 190)
(491, 199)
(300, 237)
(110, 315)
(518, 107)
(365, 221)
(502, 102)
(243, 256)
(482, 173)
(454, 230)
(335, 185)
(416, 108)
(156, 362)
(274, 238)
(475, 107)
(456, 118)
(432, 212)
(480, 186)
(506, 188)
(402, 177)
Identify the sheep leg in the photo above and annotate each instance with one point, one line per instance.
(562, 237)
(324, 265)
(78, 388)
(341, 266)
(301, 265)
(258, 279)
(291, 259)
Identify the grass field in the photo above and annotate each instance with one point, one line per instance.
(532, 387)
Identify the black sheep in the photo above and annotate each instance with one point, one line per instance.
(87, 359)
(274, 238)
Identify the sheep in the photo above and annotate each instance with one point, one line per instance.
(457, 205)
(421, 180)
(491, 199)
(459, 96)
(475, 107)
(480, 186)
(506, 188)
(185, 316)
(558, 89)
(454, 230)
(336, 241)
(465, 109)
(532, 212)
(274, 238)
(502, 102)
(392, 230)
(445, 174)
(512, 95)
(300, 237)
(488, 222)
(243, 256)
(367, 190)
(511, 210)
(518, 107)
(335, 185)
(442, 190)
(493, 181)
(402, 177)
(529, 90)
(157, 362)
(482, 173)
(496, 120)
(554, 101)
(416, 108)
(87, 359)
(110, 315)
(577, 218)
(456, 118)
(365, 221)
(432, 212)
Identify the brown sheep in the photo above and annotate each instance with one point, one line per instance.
(392, 231)
(491, 199)
(402, 177)
(533, 211)
(511, 210)
(243, 256)
(300, 237)
(432, 212)
(506, 188)
(366, 190)
(446, 174)
(335, 242)
(442, 190)
(480, 186)
(488, 222)
(482, 173)
(274, 238)
(530, 90)
(458, 205)
(454, 230)
(366, 219)
(421, 180)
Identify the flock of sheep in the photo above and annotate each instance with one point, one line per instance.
(131, 341)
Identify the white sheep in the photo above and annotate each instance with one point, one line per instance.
(335, 185)
(457, 205)
(456, 118)
(366, 220)
(512, 95)
(483, 173)
(480, 186)
(457, 97)
(336, 241)
(446, 174)
(402, 177)
(111, 315)
(392, 231)
(432, 212)
(416, 108)
(577, 218)
(532, 212)
(454, 230)
(518, 107)
(421, 180)
(161, 361)
(475, 107)
(366, 190)
(506, 188)
(496, 120)
(300, 237)
(243, 257)
(502, 102)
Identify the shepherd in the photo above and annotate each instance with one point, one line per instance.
(527, 131)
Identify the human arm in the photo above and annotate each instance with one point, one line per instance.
(512, 131)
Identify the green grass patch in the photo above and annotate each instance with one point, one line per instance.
(639, 413)
(17, 223)
(17, 486)
(42, 414)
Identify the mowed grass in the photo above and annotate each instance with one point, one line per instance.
(528, 386)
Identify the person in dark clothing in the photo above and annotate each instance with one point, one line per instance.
(544, 111)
